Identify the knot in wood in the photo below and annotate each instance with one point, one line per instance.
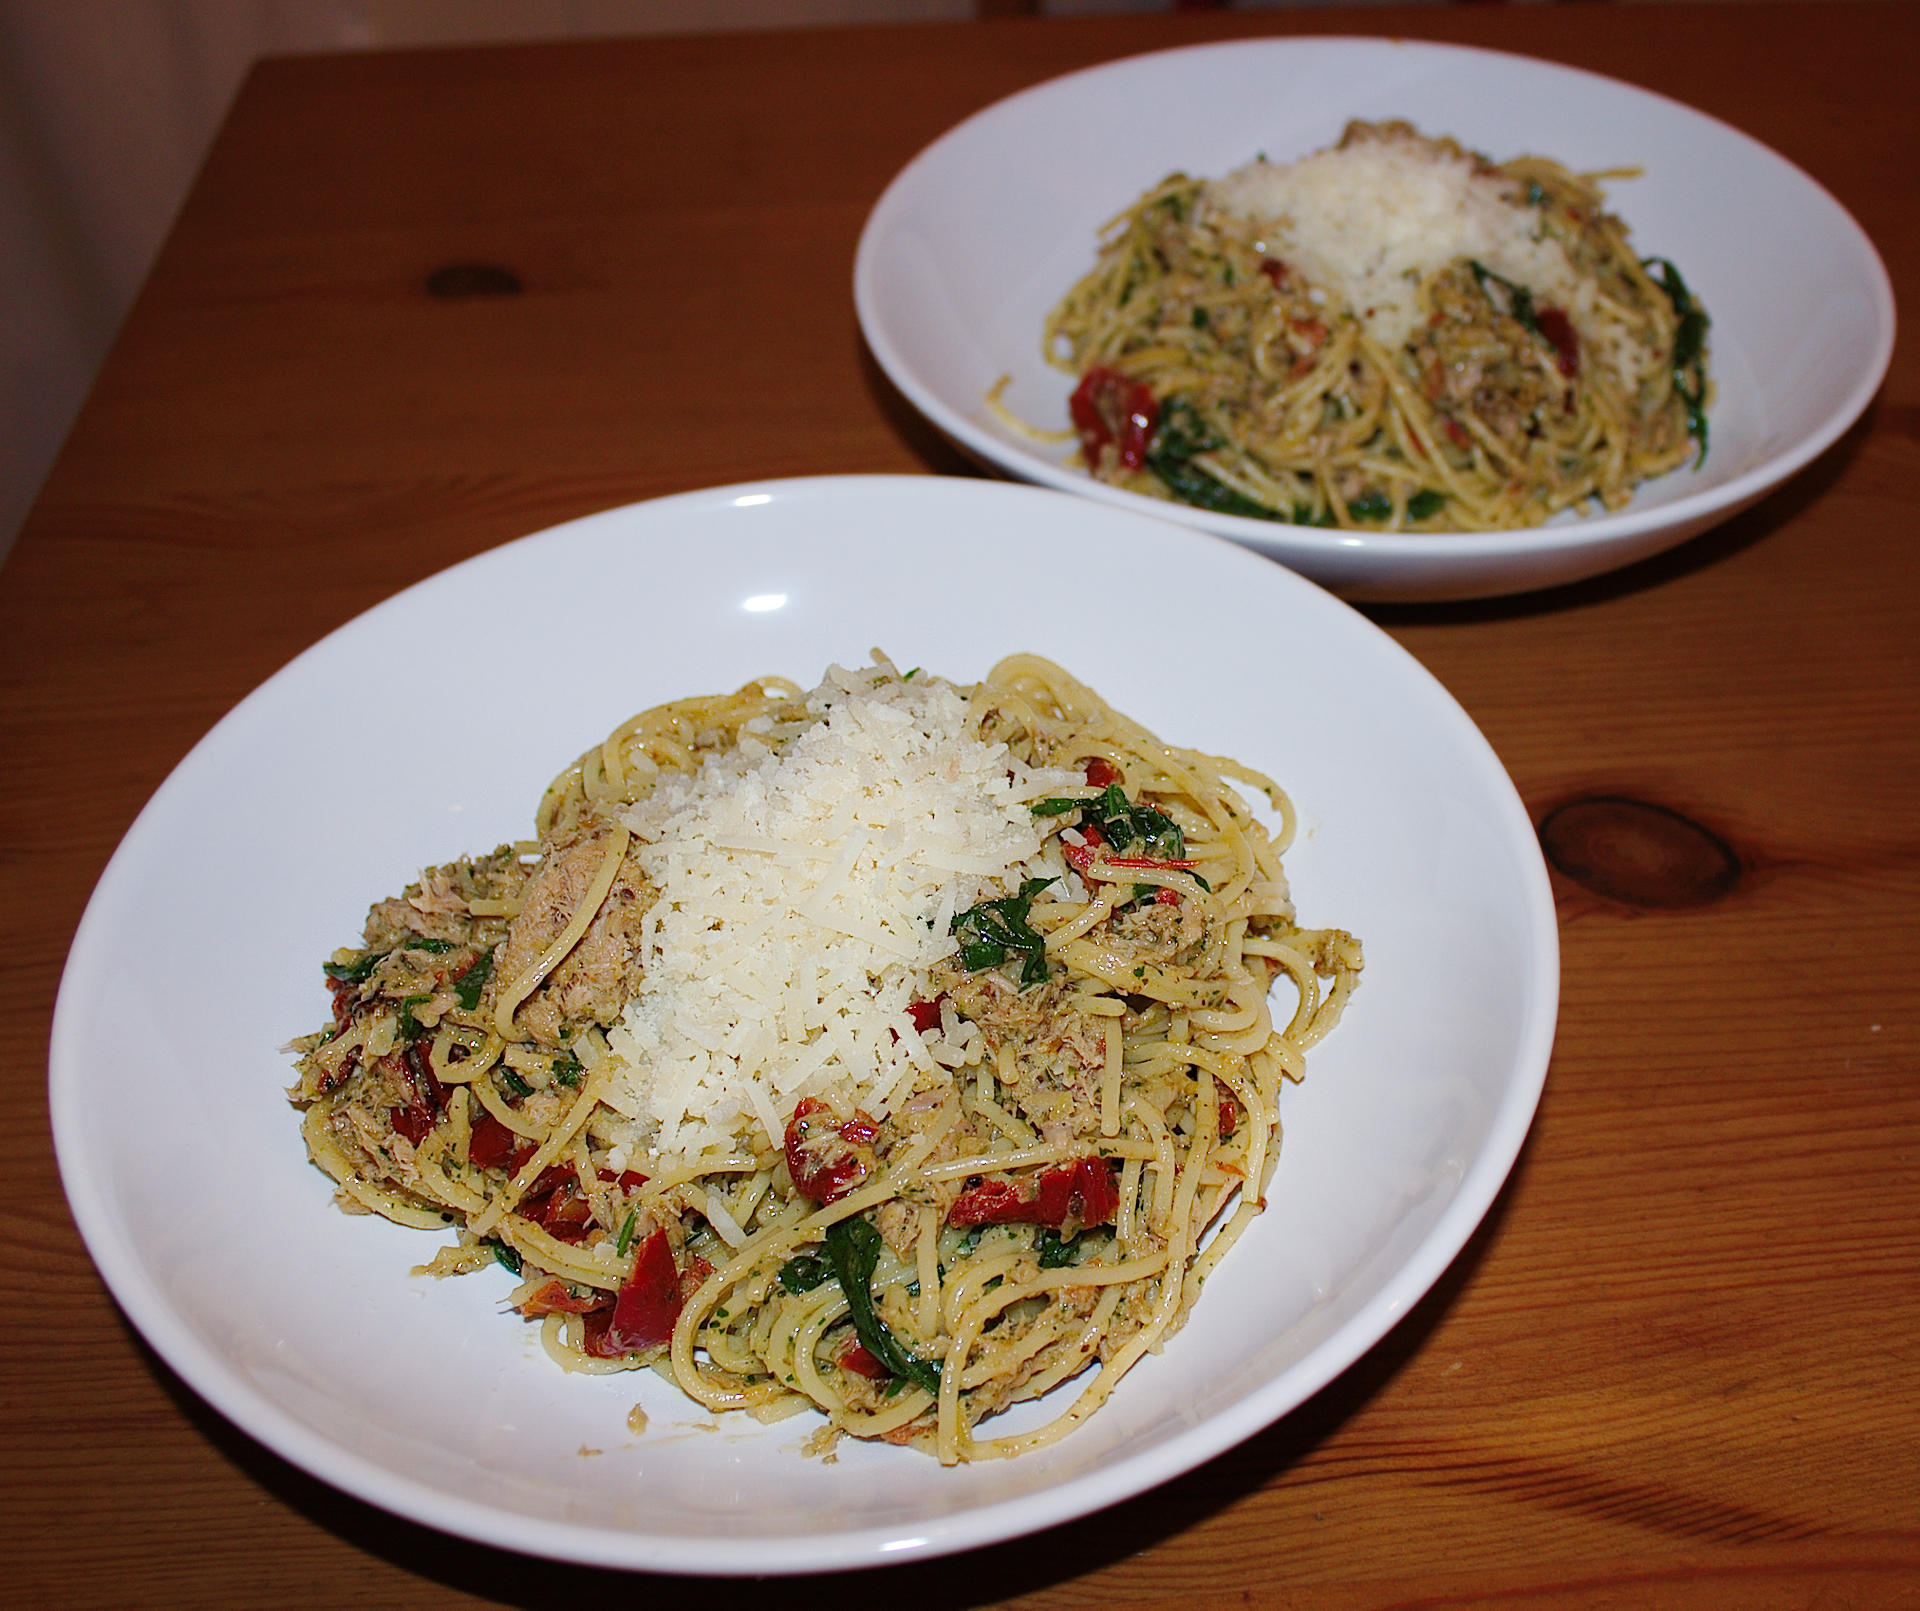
(459, 280)
(1638, 853)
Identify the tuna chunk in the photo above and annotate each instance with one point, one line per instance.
(603, 970)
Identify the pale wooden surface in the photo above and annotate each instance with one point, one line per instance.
(1679, 1364)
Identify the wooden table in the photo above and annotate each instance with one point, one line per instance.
(419, 304)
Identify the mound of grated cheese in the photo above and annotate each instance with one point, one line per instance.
(1366, 222)
(803, 897)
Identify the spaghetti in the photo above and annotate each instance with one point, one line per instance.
(1390, 334)
(1039, 1121)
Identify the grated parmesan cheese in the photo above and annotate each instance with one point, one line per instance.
(1369, 220)
(803, 897)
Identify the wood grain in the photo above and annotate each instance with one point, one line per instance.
(1679, 1364)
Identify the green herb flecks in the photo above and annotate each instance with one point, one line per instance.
(991, 931)
(853, 1249)
(505, 1256)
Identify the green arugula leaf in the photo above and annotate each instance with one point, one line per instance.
(989, 931)
(410, 1027)
(853, 1249)
(1055, 1254)
(358, 971)
(1182, 434)
(1125, 825)
(1519, 300)
(467, 988)
(804, 1272)
(1689, 349)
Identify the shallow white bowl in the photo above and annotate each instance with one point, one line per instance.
(365, 759)
(987, 228)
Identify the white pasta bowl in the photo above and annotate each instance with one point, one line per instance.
(199, 958)
(979, 236)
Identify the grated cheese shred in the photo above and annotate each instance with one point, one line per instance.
(804, 895)
(1369, 220)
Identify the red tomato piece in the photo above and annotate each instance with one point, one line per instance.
(1101, 772)
(1558, 329)
(491, 1144)
(413, 1123)
(1098, 1190)
(1312, 333)
(648, 1305)
(344, 995)
(992, 1202)
(862, 1363)
(1080, 857)
(428, 1092)
(564, 1213)
(1109, 410)
(925, 1014)
(348, 1067)
(548, 1181)
(418, 1116)
(825, 1159)
(1084, 1190)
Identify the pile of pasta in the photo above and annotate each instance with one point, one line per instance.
(1213, 371)
(1099, 1130)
